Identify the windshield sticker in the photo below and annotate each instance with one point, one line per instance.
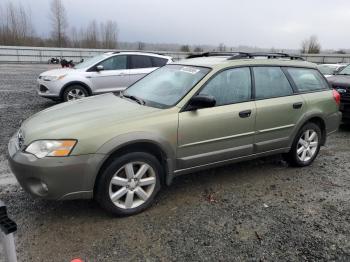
(190, 70)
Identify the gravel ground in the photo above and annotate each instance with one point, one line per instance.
(258, 210)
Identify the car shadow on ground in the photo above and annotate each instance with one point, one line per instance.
(344, 127)
(189, 188)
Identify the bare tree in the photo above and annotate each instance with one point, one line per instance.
(198, 49)
(109, 34)
(15, 25)
(74, 37)
(59, 23)
(91, 36)
(185, 48)
(141, 45)
(311, 46)
(222, 47)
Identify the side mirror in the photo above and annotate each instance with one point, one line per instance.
(201, 101)
(99, 68)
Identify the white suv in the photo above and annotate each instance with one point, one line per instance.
(109, 72)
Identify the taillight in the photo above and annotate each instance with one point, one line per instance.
(336, 96)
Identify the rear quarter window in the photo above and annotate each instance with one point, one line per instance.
(307, 80)
(140, 61)
(159, 62)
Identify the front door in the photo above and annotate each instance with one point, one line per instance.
(223, 132)
(113, 78)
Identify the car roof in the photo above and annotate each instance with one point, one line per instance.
(333, 65)
(218, 62)
(137, 53)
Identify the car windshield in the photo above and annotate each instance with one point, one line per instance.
(327, 70)
(164, 87)
(90, 62)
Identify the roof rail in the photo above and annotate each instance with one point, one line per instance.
(245, 55)
(138, 51)
(207, 54)
(268, 55)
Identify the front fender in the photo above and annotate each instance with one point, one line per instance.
(125, 140)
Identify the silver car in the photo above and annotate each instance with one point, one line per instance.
(109, 72)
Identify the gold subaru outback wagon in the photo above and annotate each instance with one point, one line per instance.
(195, 114)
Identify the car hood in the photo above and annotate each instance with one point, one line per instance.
(85, 118)
(341, 80)
(58, 72)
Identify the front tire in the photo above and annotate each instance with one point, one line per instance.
(129, 184)
(74, 92)
(306, 146)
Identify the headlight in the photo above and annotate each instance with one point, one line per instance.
(53, 78)
(43, 148)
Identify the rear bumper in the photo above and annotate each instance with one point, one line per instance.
(55, 178)
(332, 122)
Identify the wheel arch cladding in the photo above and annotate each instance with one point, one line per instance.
(139, 146)
(321, 123)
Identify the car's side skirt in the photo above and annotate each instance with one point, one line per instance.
(229, 161)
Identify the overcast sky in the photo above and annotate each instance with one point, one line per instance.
(262, 23)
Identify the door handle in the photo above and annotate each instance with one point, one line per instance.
(244, 114)
(297, 105)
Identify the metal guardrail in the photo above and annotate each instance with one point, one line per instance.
(22, 54)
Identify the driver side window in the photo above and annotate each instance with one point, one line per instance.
(230, 86)
(115, 63)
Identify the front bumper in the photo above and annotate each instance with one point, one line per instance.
(56, 178)
(49, 89)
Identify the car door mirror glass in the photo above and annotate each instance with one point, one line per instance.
(201, 101)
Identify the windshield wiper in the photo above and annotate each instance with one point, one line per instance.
(343, 74)
(137, 99)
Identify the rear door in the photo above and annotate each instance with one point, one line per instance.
(114, 76)
(222, 132)
(278, 106)
(141, 65)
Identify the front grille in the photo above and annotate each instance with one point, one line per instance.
(43, 88)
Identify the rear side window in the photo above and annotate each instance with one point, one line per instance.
(140, 61)
(307, 79)
(159, 62)
(271, 82)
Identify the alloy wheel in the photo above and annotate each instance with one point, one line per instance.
(75, 94)
(307, 145)
(132, 185)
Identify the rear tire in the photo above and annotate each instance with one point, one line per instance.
(74, 92)
(129, 183)
(306, 146)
